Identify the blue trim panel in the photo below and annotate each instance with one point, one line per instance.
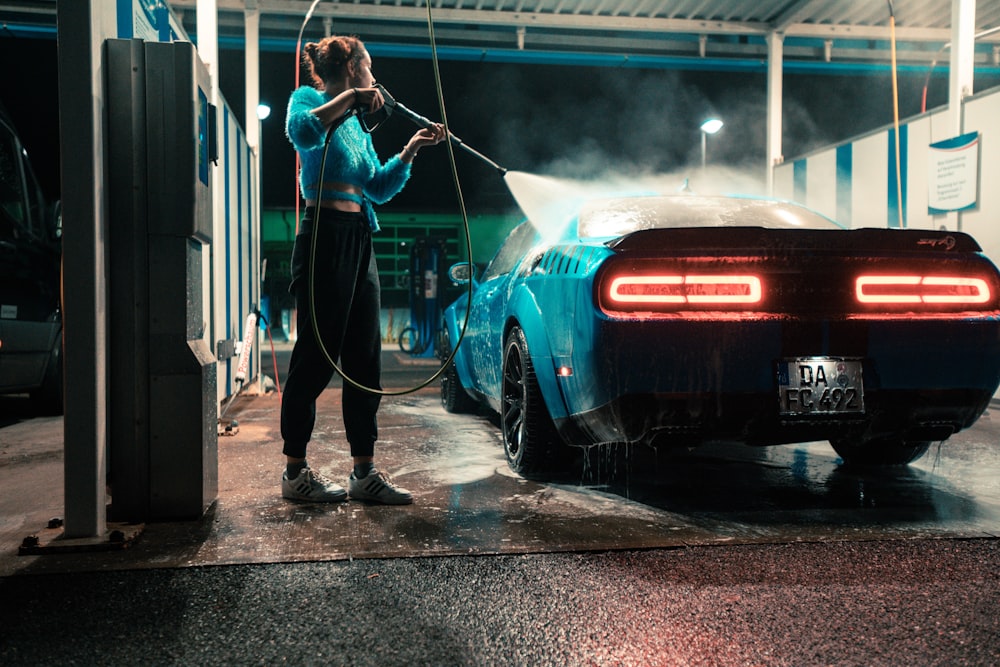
(744, 64)
(799, 171)
(747, 63)
(893, 202)
(961, 141)
(124, 19)
(162, 18)
(845, 174)
(229, 292)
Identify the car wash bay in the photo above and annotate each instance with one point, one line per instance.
(467, 501)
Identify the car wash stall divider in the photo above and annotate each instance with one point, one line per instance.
(854, 182)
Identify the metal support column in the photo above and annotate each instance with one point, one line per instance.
(82, 27)
(775, 56)
(961, 74)
(963, 45)
(255, 139)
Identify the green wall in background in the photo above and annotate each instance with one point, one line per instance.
(486, 231)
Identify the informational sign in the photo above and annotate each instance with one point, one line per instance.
(953, 178)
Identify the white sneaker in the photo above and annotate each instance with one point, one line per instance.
(311, 486)
(377, 488)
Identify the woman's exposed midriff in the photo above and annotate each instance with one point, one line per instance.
(330, 200)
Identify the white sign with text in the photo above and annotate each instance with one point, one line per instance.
(953, 178)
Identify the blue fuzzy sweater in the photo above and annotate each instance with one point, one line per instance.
(351, 157)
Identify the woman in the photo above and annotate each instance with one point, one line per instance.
(346, 294)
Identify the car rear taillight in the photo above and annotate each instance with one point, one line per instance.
(771, 274)
(680, 290)
(743, 287)
(688, 287)
(917, 289)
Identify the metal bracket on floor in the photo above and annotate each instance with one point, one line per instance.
(118, 537)
(232, 427)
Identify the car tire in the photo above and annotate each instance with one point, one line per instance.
(454, 398)
(48, 398)
(529, 436)
(885, 451)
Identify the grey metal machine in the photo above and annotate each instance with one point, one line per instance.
(163, 406)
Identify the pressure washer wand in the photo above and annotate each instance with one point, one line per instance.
(413, 116)
(469, 149)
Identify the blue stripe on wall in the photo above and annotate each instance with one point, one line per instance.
(239, 225)
(845, 174)
(124, 19)
(162, 15)
(538, 57)
(799, 181)
(229, 293)
(894, 192)
(904, 144)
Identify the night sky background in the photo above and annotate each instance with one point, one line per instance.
(569, 121)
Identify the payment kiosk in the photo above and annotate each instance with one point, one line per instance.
(162, 396)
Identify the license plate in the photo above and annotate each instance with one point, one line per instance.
(820, 386)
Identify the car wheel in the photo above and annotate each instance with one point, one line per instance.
(529, 436)
(48, 399)
(453, 395)
(886, 451)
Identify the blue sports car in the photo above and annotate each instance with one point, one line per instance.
(680, 319)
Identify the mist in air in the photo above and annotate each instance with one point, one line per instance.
(600, 123)
(610, 130)
(582, 122)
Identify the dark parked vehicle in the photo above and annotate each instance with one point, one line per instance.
(30, 255)
(675, 320)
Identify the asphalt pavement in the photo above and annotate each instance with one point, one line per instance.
(727, 557)
(901, 602)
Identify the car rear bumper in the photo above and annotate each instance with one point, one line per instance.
(753, 419)
(686, 381)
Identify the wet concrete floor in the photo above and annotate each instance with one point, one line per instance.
(467, 501)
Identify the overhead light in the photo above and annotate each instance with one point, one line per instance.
(711, 126)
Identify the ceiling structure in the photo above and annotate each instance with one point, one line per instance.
(772, 36)
(818, 35)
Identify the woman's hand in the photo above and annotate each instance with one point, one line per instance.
(427, 136)
(368, 99)
(364, 99)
